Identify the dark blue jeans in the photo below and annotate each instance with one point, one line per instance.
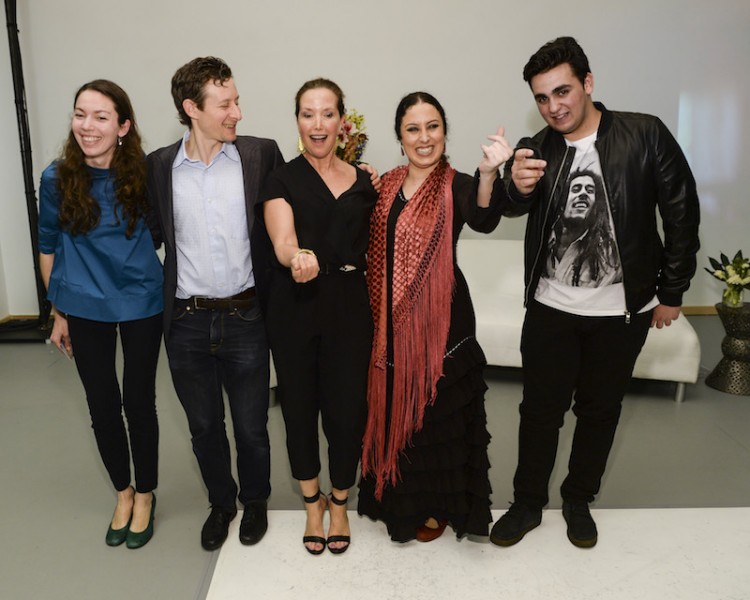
(566, 356)
(211, 350)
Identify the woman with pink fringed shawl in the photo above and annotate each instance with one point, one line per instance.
(424, 462)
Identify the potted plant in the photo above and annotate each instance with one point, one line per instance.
(735, 274)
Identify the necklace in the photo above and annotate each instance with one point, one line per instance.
(401, 196)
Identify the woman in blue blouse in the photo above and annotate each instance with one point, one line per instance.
(99, 264)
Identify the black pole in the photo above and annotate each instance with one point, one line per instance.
(28, 178)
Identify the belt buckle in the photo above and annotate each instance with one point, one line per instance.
(347, 268)
(195, 302)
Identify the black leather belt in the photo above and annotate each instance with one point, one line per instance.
(242, 300)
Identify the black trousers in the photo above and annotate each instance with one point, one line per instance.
(321, 337)
(566, 356)
(94, 348)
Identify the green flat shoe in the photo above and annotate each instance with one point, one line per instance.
(136, 540)
(115, 537)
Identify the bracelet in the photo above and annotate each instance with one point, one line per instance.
(303, 251)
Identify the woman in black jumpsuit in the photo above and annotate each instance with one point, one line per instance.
(317, 211)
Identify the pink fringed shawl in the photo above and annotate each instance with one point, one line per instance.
(423, 281)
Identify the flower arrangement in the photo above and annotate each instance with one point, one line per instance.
(735, 273)
(352, 139)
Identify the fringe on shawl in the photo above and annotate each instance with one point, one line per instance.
(423, 281)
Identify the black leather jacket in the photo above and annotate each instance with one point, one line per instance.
(644, 169)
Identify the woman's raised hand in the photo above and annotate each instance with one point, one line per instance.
(496, 153)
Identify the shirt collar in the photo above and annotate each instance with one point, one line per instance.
(227, 149)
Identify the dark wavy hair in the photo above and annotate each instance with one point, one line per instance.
(415, 98)
(79, 212)
(189, 82)
(554, 53)
(321, 82)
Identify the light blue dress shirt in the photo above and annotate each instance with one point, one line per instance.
(210, 222)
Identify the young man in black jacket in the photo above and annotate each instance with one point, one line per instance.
(596, 280)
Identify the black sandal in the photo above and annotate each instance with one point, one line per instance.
(314, 539)
(338, 538)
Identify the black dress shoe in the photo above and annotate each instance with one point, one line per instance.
(254, 523)
(216, 527)
(581, 527)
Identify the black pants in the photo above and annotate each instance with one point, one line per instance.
(563, 355)
(321, 337)
(94, 347)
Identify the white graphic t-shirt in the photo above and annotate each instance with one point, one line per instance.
(582, 273)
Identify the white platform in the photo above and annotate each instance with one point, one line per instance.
(643, 554)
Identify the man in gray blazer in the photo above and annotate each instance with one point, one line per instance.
(203, 189)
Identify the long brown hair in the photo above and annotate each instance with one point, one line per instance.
(79, 212)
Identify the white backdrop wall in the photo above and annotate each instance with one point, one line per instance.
(684, 60)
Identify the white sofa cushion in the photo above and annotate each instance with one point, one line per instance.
(494, 272)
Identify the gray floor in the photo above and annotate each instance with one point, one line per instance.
(56, 499)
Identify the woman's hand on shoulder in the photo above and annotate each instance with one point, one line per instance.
(374, 175)
(496, 153)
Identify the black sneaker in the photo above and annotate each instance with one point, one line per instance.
(514, 524)
(581, 527)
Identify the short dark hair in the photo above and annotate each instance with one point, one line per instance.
(554, 53)
(416, 98)
(190, 80)
(321, 82)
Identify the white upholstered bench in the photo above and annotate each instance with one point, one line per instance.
(494, 272)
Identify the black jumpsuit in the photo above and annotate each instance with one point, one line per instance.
(321, 331)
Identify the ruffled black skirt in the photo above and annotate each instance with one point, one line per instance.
(444, 473)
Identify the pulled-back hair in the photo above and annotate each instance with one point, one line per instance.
(554, 53)
(321, 82)
(189, 82)
(416, 98)
(79, 212)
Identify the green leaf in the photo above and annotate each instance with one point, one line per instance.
(715, 264)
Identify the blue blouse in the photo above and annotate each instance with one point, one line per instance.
(99, 275)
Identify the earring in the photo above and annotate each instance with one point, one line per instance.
(300, 145)
(119, 141)
(402, 150)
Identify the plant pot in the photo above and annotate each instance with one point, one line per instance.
(733, 296)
